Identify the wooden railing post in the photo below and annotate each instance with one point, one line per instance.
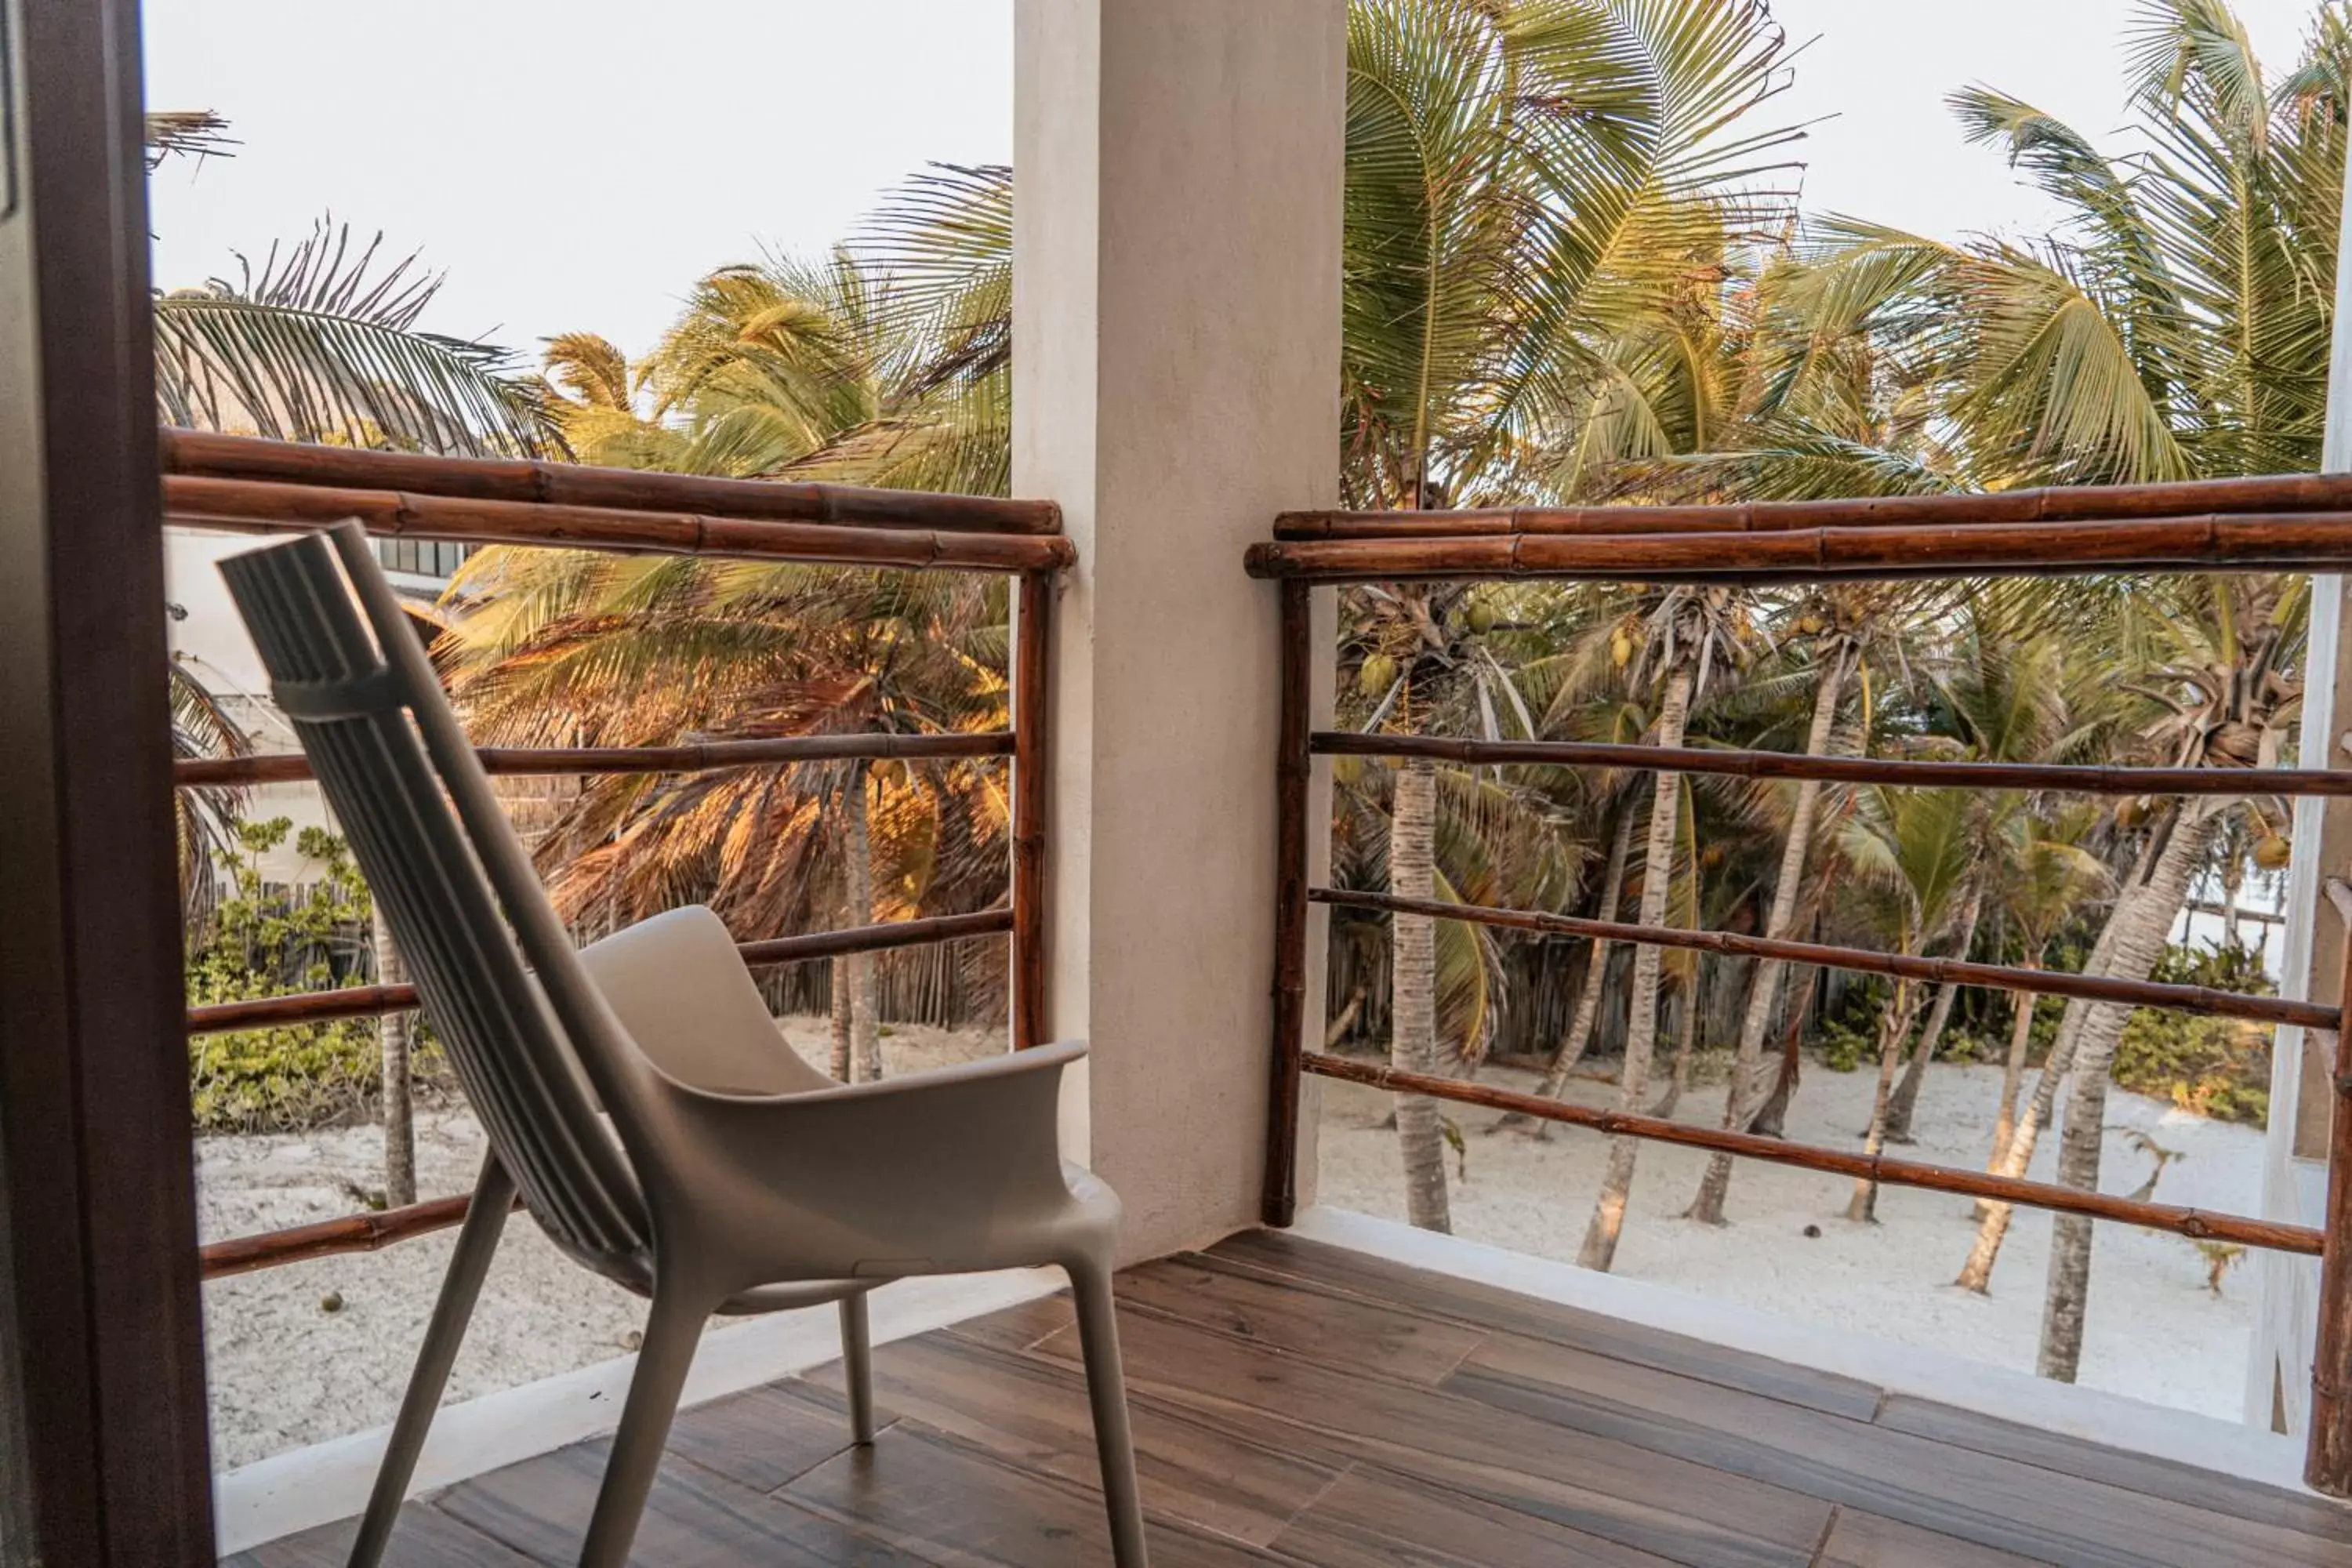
(2328, 1457)
(1292, 764)
(1032, 659)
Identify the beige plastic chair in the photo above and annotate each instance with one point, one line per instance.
(733, 1177)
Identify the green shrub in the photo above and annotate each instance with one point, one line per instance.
(263, 942)
(1960, 1047)
(2214, 1067)
(1845, 1050)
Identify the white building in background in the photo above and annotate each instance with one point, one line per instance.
(208, 640)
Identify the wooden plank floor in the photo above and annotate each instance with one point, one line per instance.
(1298, 1403)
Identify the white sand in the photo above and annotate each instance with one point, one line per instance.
(2154, 1330)
(286, 1373)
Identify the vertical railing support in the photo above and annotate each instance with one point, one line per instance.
(2328, 1456)
(1032, 666)
(1292, 764)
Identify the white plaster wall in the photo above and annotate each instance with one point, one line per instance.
(1176, 385)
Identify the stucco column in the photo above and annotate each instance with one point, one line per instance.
(2303, 1096)
(1176, 375)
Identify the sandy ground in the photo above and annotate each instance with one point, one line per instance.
(2153, 1332)
(286, 1371)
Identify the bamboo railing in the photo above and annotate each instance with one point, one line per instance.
(701, 756)
(2198, 999)
(2278, 541)
(231, 482)
(2058, 778)
(2272, 525)
(2201, 1224)
(269, 506)
(374, 1001)
(2084, 503)
(203, 455)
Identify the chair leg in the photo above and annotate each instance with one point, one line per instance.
(1107, 1390)
(477, 1242)
(857, 1366)
(673, 1329)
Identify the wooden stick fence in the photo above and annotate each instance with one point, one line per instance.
(2089, 503)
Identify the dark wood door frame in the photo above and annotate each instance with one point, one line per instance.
(102, 1439)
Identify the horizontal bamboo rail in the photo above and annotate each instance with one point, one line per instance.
(2282, 541)
(878, 938)
(274, 506)
(2106, 503)
(703, 756)
(373, 1001)
(202, 453)
(2199, 1223)
(2201, 999)
(333, 1237)
(2066, 778)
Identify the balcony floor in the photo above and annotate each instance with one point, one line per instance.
(1300, 1404)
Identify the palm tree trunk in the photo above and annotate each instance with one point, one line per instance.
(1413, 1039)
(1579, 1039)
(1772, 1117)
(839, 989)
(1740, 1105)
(1599, 1249)
(865, 1026)
(1894, 1029)
(1685, 1037)
(2013, 1158)
(2013, 1072)
(395, 1036)
(1336, 1030)
(1993, 1222)
(1907, 1093)
(2136, 952)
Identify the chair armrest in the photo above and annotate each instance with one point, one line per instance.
(936, 1170)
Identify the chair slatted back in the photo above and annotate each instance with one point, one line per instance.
(391, 783)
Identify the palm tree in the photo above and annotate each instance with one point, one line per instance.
(608, 650)
(2042, 880)
(2225, 701)
(1539, 197)
(1688, 636)
(1998, 695)
(1582, 679)
(1849, 628)
(321, 343)
(1425, 658)
(2176, 326)
(203, 820)
(1914, 851)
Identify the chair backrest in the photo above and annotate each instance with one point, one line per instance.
(527, 1054)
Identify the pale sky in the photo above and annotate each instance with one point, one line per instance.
(574, 164)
